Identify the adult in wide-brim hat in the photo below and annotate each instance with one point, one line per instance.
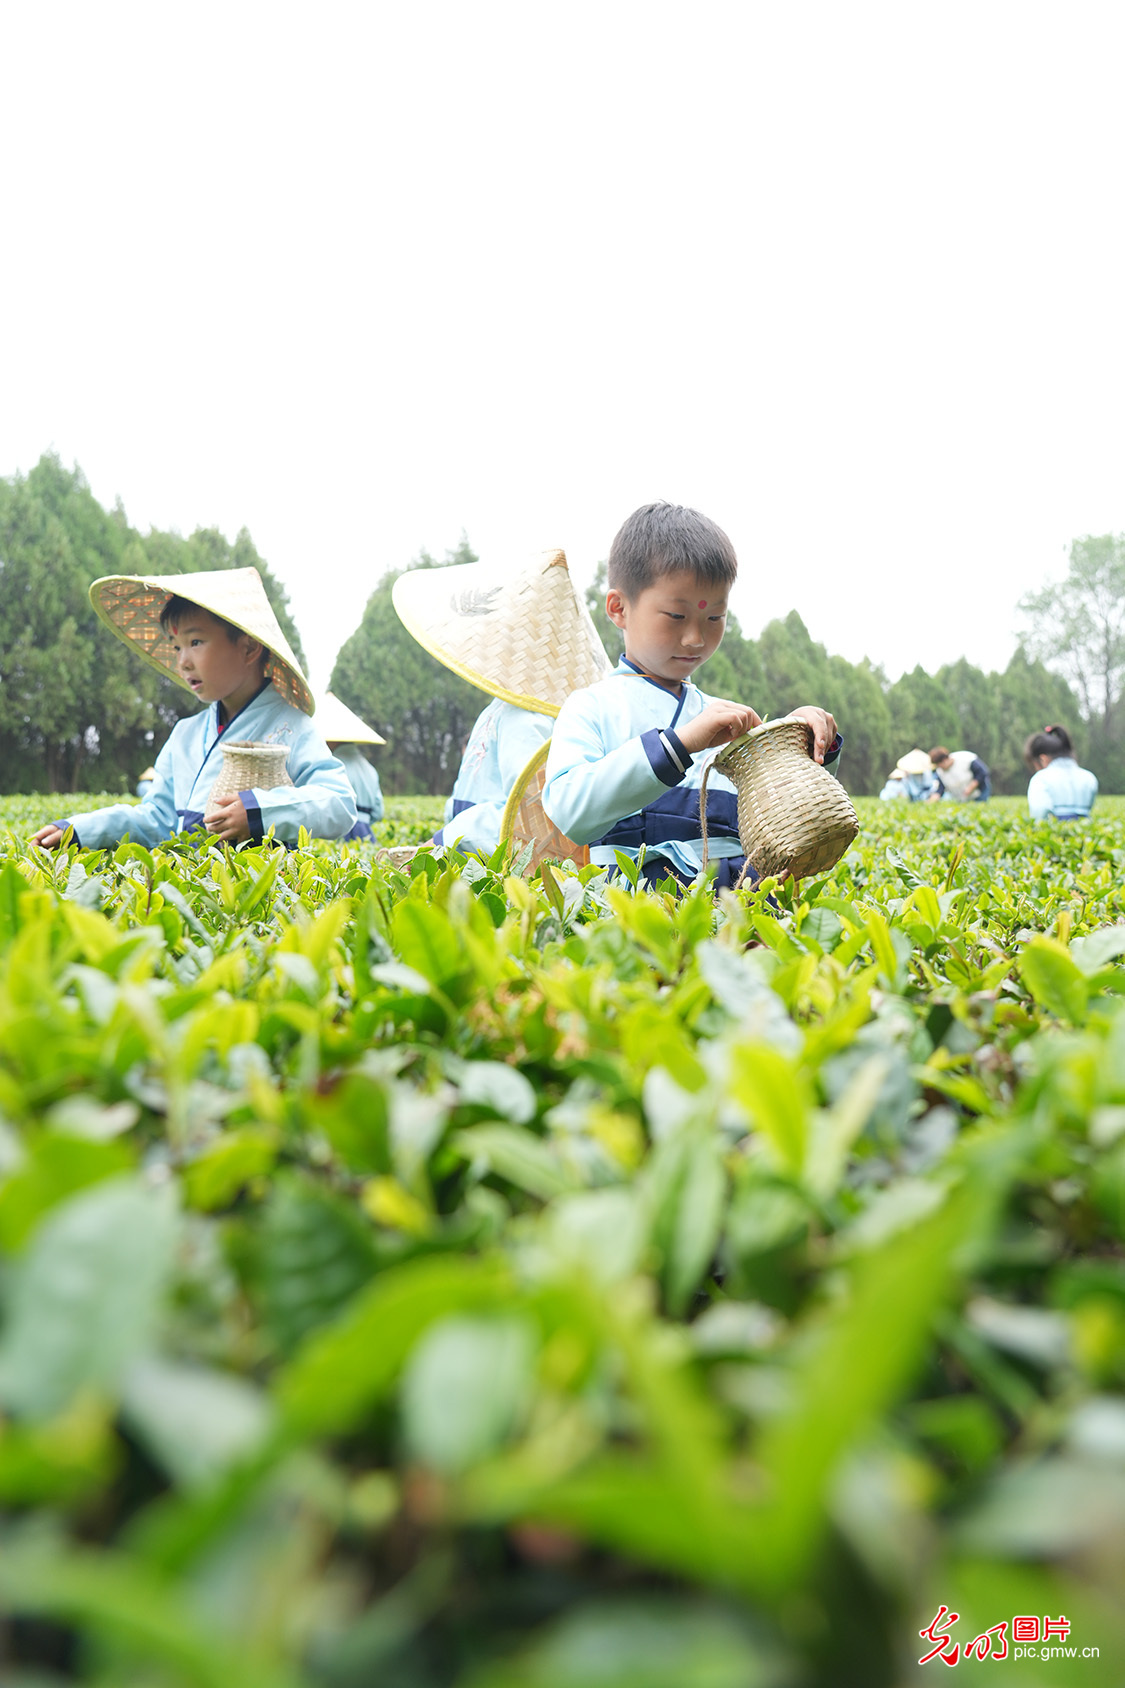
(521, 634)
(130, 604)
(340, 725)
(915, 762)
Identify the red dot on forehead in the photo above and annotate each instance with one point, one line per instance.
(703, 603)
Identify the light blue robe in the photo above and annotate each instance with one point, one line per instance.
(607, 764)
(502, 742)
(364, 781)
(320, 798)
(1063, 789)
(920, 787)
(613, 780)
(894, 791)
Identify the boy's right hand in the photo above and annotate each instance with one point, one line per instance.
(49, 837)
(720, 723)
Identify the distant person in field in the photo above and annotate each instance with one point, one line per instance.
(216, 634)
(912, 779)
(961, 775)
(1058, 787)
(345, 735)
(144, 784)
(627, 755)
(525, 636)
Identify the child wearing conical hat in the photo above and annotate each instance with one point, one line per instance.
(216, 634)
(628, 755)
(344, 734)
(525, 636)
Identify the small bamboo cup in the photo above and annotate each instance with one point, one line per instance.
(794, 818)
(247, 765)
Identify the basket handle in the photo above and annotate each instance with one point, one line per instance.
(703, 810)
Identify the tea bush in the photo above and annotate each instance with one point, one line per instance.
(446, 1277)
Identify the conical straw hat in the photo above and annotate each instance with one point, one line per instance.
(915, 762)
(131, 605)
(521, 634)
(338, 725)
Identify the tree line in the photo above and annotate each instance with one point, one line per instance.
(79, 712)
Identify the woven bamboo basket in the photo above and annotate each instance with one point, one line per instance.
(247, 765)
(396, 855)
(794, 818)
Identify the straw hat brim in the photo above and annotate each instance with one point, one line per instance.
(523, 635)
(915, 762)
(340, 725)
(130, 605)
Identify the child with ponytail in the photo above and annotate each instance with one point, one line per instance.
(1058, 786)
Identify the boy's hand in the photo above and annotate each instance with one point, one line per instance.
(822, 724)
(49, 837)
(718, 724)
(231, 825)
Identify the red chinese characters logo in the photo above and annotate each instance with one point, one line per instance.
(933, 1632)
(992, 1643)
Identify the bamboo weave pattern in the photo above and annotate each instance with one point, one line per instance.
(794, 818)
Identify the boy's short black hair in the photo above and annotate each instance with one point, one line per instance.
(177, 608)
(660, 539)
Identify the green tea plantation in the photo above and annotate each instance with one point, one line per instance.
(445, 1278)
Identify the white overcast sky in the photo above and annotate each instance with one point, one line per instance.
(847, 277)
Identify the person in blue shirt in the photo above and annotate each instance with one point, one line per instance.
(345, 734)
(628, 754)
(144, 784)
(1058, 786)
(215, 632)
(523, 635)
(917, 777)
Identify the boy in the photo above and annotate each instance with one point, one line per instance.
(626, 762)
(524, 636)
(216, 633)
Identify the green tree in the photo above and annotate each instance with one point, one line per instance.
(424, 710)
(922, 713)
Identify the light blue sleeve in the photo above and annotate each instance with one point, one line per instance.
(320, 799)
(519, 736)
(589, 789)
(149, 822)
(364, 782)
(1039, 795)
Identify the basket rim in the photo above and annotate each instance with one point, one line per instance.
(254, 744)
(768, 729)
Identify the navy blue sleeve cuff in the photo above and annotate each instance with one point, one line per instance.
(253, 816)
(62, 826)
(661, 763)
(834, 749)
(979, 771)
